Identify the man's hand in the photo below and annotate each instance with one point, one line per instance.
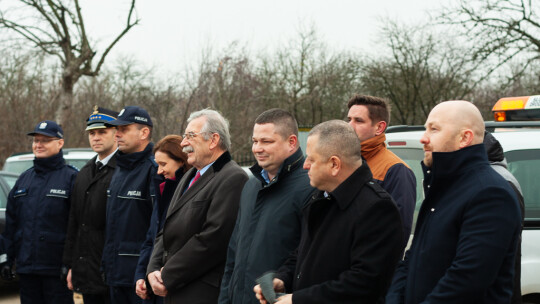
(279, 286)
(156, 283)
(140, 289)
(68, 280)
(286, 299)
(6, 271)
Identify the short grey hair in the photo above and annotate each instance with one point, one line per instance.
(338, 138)
(215, 123)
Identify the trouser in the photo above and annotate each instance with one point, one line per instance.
(96, 298)
(124, 295)
(37, 289)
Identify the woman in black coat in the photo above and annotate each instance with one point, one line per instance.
(172, 164)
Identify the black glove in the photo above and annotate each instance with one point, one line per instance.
(63, 273)
(6, 271)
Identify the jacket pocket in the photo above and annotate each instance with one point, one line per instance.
(50, 246)
(128, 256)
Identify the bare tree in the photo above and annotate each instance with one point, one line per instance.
(57, 28)
(420, 71)
(499, 30)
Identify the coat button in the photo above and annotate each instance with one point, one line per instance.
(298, 276)
(41, 238)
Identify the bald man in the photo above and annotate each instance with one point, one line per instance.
(468, 227)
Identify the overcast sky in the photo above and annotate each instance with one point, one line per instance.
(172, 33)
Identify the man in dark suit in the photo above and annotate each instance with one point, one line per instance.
(86, 229)
(352, 233)
(189, 253)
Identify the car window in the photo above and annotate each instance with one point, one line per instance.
(413, 157)
(10, 180)
(525, 165)
(3, 198)
(18, 166)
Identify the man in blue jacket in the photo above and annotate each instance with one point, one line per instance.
(36, 220)
(131, 196)
(268, 226)
(468, 227)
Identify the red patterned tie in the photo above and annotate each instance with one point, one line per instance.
(195, 179)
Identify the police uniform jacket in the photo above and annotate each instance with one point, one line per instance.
(131, 197)
(350, 245)
(86, 231)
(267, 229)
(37, 216)
(192, 246)
(466, 235)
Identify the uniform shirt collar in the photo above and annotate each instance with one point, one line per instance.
(106, 159)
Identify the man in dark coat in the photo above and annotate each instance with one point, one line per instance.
(189, 254)
(36, 220)
(86, 230)
(352, 234)
(130, 202)
(468, 227)
(271, 206)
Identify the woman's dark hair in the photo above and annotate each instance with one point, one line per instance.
(170, 145)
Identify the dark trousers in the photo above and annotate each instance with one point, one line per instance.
(154, 300)
(37, 289)
(96, 298)
(124, 295)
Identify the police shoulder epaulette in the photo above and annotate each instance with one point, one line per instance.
(378, 189)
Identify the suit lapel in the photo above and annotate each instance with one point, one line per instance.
(182, 197)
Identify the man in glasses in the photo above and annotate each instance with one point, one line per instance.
(131, 196)
(189, 253)
(36, 220)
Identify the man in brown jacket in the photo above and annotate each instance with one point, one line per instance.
(189, 254)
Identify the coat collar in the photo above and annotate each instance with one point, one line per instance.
(290, 164)
(372, 146)
(452, 164)
(348, 190)
(42, 165)
(129, 160)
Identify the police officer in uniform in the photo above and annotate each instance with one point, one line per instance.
(36, 220)
(131, 196)
(86, 231)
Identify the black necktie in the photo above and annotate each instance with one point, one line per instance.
(99, 165)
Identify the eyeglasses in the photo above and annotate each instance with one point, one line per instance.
(44, 140)
(191, 135)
